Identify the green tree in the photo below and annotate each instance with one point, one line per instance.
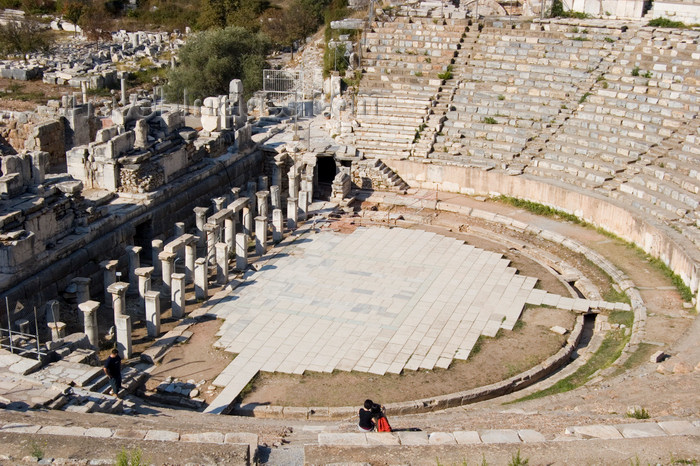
(21, 38)
(72, 11)
(211, 59)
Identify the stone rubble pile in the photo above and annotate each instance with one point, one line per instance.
(77, 62)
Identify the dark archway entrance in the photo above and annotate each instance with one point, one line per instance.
(325, 170)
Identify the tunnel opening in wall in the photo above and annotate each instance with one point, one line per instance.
(326, 169)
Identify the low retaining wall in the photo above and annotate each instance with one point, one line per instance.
(653, 237)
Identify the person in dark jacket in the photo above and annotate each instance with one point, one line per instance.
(113, 369)
(368, 413)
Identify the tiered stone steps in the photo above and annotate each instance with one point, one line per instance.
(403, 58)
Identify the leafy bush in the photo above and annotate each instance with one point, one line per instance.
(667, 23)
(558, 11)
(635, 71)
(211, 59)
(24, 37)
(490, 121)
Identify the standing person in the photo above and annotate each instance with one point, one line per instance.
(113, 369)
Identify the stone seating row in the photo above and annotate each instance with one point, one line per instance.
(564, 173)
(406, 68)
(597, 144)
(660, 194)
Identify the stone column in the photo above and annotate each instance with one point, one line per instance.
(58, 330)
(89, 310)
(156, 248)
(293, 184)
(212, 232)
(234, 194)
(230, 232)
(118, 292)
(179, 229)
(277, 225)
(260, 235)
(291, 213)
(241, 251)
(152, 299)
(123, 91)
(275, 197)
(221, 263)
(263, 183)
(200, 220)
(252, 187)
(304, 205)
(262, 203)
(123, 327)
(144, 274)
(22, 325)
(53, 310)
(167, 263)
(82, 289)
(201, 280)
(178, 296)
(109, 277)
(278, 171)
(134, 263)
(190, 256)
(247, 221)
(219, 203)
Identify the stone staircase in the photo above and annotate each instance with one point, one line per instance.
(70, 379)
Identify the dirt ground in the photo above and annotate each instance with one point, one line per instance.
(498, 358)
(24, 96)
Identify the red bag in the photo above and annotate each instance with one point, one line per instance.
(383, 425)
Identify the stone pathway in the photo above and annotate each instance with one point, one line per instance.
(488, 436)
(378, 300)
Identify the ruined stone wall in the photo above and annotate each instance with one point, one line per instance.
(50, 274)
(15, 132)
(49, 137)
(364, 175)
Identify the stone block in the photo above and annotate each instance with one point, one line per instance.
(657, 357)
(641, 430)
(559, 330)
(595, 431)
(441, 438)
(342, 439)
(500, 436)
(98, 432)
(20, 428)
(203, 437)
(73, 431)
(531, 436)
(162, 435)
(467, 437)
(382, 438)
(133, 434)
(680, 428)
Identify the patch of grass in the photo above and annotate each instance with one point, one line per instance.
(640, 356)
(625, 318)
(609, 40)
(613, 296)
(36, 450)
(447, 74)
(674, 460)
(584, 97)
(683, 289)
(635, 71)
(516, 460)
(490, 121)
(540, 209)
(647, 75)
(477, 346)
(130, 457)
(501, 97)
(610, 349)
(580, 38)
(667, 23)
(519, 324)
(638, 413)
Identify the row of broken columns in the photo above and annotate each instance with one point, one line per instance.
(229, 229)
